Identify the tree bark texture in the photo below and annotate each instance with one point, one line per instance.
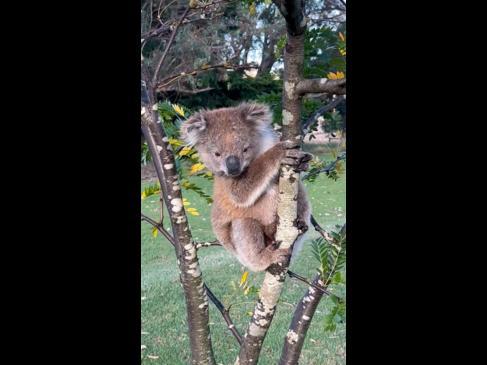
(303, 315)
(190, 273)
(287, 231)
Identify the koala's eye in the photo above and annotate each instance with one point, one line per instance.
(246, 149)
(217, 154)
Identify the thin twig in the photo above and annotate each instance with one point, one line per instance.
(319, 229)
(207, 244)
(304, 280)
(332, 104)
(225, 313)
(159, 228)
(218, 304)
(328, 168)
(204, 6)
(168, 46)
(169, 80)
(159, 12)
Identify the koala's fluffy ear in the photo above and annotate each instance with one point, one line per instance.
(256, 113)
(192, 129)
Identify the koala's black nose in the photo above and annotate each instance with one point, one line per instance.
(233, 165)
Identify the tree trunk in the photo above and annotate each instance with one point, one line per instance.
(268, 56)
(300, 323)
(247, 43)
(190, 273)
(287, 231)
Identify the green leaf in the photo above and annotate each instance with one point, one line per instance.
(331, 255)
(151, 190)
(337, 278)
(191, 186)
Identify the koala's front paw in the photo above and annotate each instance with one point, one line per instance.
(282, 255)
(297, 159)
(301, 225)
(288, 145)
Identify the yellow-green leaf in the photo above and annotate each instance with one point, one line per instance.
(339, 167)
(154, 232)
(336, 76)
(186, 202)
(252, 9)
(175, 142)
(197, 167)
(193, 211)
(143, 195)
(185, 151)
(185, 183)
(244, 277)
(178, 109)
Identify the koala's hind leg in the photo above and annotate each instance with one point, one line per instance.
(249, 242)
(270, 235)
(223, 234)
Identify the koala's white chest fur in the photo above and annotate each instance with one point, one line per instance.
(263, 210)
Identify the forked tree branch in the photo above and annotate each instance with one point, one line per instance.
(159, 227)
(225, 312)
(304, 280)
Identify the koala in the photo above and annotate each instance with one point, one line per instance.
(239, 146)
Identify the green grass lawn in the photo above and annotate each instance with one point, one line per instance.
(164, 329)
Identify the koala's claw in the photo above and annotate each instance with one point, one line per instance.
(289, 145)
(301, 225)
(282, 255)
(297, 159)
(302, 167)
(272, 246)
(293, 153)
